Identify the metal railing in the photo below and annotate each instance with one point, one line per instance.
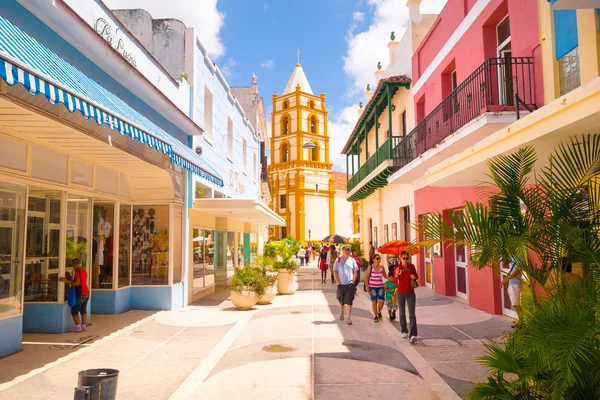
(494, 86)
(383, 153)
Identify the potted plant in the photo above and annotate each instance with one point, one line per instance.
(265, 266)
(247, 286)
(284, 264)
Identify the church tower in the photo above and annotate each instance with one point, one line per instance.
(300, 175)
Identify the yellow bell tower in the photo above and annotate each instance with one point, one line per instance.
(302, 186)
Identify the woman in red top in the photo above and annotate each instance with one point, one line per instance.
(82, 292)
(405, 293)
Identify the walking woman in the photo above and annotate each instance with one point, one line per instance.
(404, 273)
(374, 285)
(302, 255)
(323, 264)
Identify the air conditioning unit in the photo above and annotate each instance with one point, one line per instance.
(199, 150)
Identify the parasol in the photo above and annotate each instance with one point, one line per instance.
(335, 239)
(398, 246)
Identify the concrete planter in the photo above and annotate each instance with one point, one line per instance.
(269, 295)
(244, 298)
(286, 283)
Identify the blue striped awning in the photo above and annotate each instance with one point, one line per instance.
(25, 61)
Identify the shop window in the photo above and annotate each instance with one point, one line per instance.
(48, 165)
(82, 173)
(150, 245)
(203, 258)
(12, 225)
(42, 246)
(231, 253)
(177, 243)
(102, 245)
(240, 249)
(79, 242)
(124, 245)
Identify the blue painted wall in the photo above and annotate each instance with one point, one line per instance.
(111, 301)
(29, 23)
(48, 318)
(151, 298)
(565, 31)
(10, 335)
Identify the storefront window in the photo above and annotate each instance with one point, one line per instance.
(203, 258)
(177, 243)
(253, 246)
(79, 242)
(124, 245)
(12, 225)
(42, 246)
(150, 244)
(102, 245)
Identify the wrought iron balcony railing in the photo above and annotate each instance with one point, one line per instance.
(383, 153)
(499, 84)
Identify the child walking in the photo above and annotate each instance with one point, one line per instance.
(390, 299)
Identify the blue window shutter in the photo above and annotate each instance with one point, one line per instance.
(565, 31)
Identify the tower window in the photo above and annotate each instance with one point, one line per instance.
(316, 188)
(313, 154)
(285, 152)
(282, 201)
(311, 104)
(286, 104)
(285, 125)
(314, 122)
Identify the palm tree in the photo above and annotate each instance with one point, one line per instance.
(542, 221)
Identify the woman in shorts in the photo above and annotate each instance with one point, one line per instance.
(374, 279)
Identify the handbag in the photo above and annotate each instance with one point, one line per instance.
(71, 297)
(414, 283)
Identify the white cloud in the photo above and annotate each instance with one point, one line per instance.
(228, 70)
(268, 64)
(202, 15)
(358, 16)
(339, 130)
(369, 46)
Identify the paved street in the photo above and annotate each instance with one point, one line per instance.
(295, 348)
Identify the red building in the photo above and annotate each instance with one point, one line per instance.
(478, 70)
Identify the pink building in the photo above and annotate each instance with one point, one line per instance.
(478, 70)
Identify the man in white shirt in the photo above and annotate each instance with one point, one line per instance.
(345, 270)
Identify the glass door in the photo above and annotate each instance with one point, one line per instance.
(461, 265)
(12, 221)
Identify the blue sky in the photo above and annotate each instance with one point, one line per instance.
(340, 41)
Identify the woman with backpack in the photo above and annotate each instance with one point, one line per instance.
(374, 281)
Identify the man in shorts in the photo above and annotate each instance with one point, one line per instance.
(345, 270)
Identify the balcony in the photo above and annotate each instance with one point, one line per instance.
(495, 94)
(382, 156)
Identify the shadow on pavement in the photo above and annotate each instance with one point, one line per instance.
(40, 349)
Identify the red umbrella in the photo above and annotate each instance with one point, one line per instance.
(398, 246)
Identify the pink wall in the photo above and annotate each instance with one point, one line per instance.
(476, 45)
(484, 285)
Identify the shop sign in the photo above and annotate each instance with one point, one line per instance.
(105, 30)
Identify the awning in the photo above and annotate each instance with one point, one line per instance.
(247, 210)
(25, 61)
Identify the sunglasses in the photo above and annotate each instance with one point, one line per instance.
(377, 259)
(404, 258)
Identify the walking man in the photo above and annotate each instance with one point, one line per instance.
(345, 270)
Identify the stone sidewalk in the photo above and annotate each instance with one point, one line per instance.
(295, 348)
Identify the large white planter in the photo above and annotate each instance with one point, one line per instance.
(269, 295)
(244, 299)
(285, 282)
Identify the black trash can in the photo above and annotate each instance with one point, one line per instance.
(97, 384)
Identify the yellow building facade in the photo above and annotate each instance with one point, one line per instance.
(303, 189)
